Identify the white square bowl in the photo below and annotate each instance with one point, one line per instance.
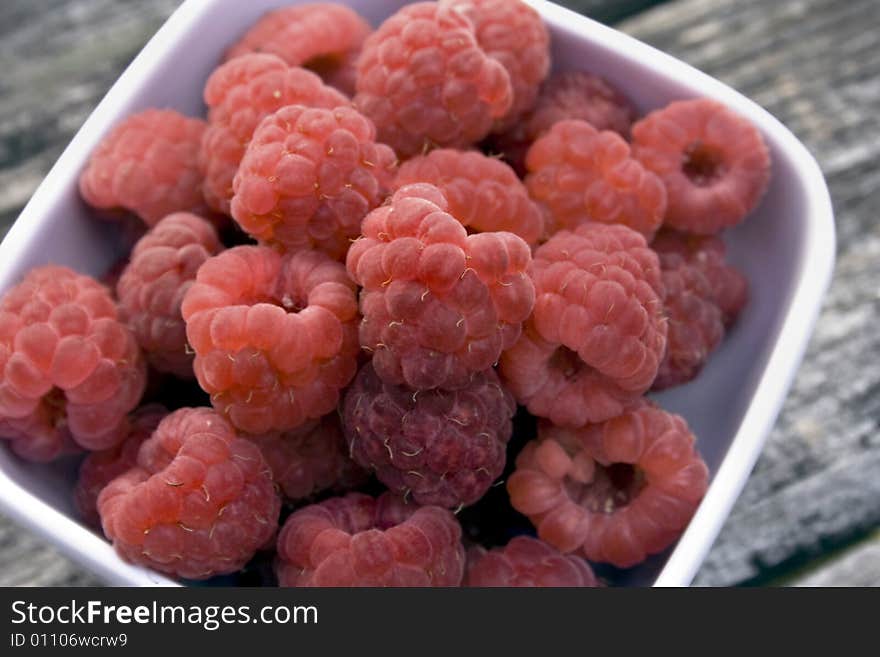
(786, 248)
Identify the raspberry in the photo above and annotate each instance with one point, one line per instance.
(100, 468)
(617, 491)
(345, 541)
(580, 174)
(310, 459)
(566, 96)
(703, 294)
(199, 502)
(483, 193)
(321, 36)
(439, 305)
(424, 81)
(162, 268)
(714, 163)
(147, 164)
(526, 562)
(596, 337)
(275, 336)
(239, 94)
(70, 371)
(443, 447)
(514, 34)
(309, 177)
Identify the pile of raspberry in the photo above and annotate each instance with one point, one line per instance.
(393, 312)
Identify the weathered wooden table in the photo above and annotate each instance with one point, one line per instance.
(811, 510)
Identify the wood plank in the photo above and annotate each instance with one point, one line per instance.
(856, 566)
(814, 64)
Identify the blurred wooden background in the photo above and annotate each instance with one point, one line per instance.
(810, 513)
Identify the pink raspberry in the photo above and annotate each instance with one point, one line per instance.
(439, 305)
(309, 177)
(424, 81)
(703, 295)
(567, 96)
(147, 164)
(514, 34)
(162, 268)
(311, 459)
(321, 36)
(70, 371)
(579, 174)
(526, 562)
(713, 162)
(100, 468)
(617, 491)
(483, 192)
(199, 502)
(444, 448)
(353, 541)
(275, 336)
(596, 337)
(239, 94)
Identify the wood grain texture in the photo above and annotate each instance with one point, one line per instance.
(813, 63)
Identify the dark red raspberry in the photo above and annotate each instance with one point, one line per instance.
(514, 34)
(439, 305)
(484, 194)
(346, 541)
(617, 491)
(199, 503)
(439, 447)
(309, 177)
(526, 562)
(566, 96)
(239, 94)
(100, 468)
(596, 337)
(275, 336)
(424, 81)
(714, 163)
(70, 371)
(321, 36)
(148, 164)
(162, 268)
(579, 174)
(703, 295)
(310, 459)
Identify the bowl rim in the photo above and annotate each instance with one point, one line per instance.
(815, 269)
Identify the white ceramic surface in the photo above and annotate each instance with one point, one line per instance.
(786, 248)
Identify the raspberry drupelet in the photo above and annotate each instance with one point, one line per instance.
(151, 288)
(357, 540)
(594, 342)
(275, 336)
(704, 295)
(322, 36)
(100, 468)
(311, 459)
(526, 562)
(579, 174)
(713, 162)
(200, 501)
(438, 447)
(439, 305)
(514, 34)
(424, 81)
(567, 96)
(70, 370)
(148, 165)
(484, 194)
(309, 177)
(616, 491)
(239, 94)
